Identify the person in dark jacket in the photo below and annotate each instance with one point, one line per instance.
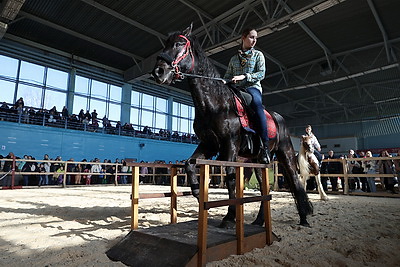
(333, 167)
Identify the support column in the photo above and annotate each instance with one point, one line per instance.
(71, 90)
(126, 95)
(169, 116)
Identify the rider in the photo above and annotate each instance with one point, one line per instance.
(247, 69)
(314, 142)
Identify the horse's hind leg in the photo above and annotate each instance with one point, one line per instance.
(286, 157)
(260, 216)
(229, 153)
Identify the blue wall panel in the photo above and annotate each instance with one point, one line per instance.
(36, 140)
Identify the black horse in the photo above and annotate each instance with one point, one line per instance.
(217, 123)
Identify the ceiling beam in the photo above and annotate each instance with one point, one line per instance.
(9, 9)
(331, 81)
(79, 35)
(383, 32)
(279, 24)
(124, 18)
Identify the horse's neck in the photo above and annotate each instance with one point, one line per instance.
(206, 93)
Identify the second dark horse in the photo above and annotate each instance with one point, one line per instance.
(217, 124)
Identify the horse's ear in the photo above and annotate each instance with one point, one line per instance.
(188, 30)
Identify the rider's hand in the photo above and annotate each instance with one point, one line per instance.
(238, 78)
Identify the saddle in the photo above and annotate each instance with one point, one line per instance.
(245, 113)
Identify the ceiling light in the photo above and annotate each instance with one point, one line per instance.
(11, 8)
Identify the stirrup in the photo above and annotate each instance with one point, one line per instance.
(265, 156)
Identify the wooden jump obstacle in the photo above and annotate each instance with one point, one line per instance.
(187, 243)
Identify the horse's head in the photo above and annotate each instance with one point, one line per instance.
(307, 144)
(176, 57)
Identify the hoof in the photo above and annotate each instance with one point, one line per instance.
(258, 222)
(305, 224)
(324, 198)
(227, 224)
(196, 193)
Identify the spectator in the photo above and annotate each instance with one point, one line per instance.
(4, 106)
(47, 166)
(370, 167)
(78, 177)
(81, 115)
(387, 167)
(42, 178)
(7, 167)
(94, 116)
(397, 169)
(143, 178)
(26, 168)
(354, 167)
(88, 117)
(70, 168)
(19, 104)
(106, 122)
(96, 168)
(124, 171)
(64, 113)
(60, 175)
(333, 167)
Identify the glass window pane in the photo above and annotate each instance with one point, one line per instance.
(79, 103)
(134, 116)
(8, 66)
(31, 73)
(114, 112)
(99, 106)
(81, 85)
(161, 104)
(160, 121)
(147, 101)
(147, 118)
(99, 89)
(175, 109)
(53, 98)
(135, 99)
(32, 95)
(175, 124)
(191, 113)
(57, 79)
(115, 93)
(184, 111)
(7, 91)
(184, 125)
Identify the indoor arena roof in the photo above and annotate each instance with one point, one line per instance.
(328, 61)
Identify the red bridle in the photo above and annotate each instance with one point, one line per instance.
(182, 55)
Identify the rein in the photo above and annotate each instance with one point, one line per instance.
(183, 74)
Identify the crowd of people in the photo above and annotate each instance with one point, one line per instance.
(49, 171)
(87, 121)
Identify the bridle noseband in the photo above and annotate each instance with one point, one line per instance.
(181, 56)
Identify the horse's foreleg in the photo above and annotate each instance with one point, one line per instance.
(201, 152)
(321, 191)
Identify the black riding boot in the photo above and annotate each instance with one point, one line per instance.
(265, 155)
